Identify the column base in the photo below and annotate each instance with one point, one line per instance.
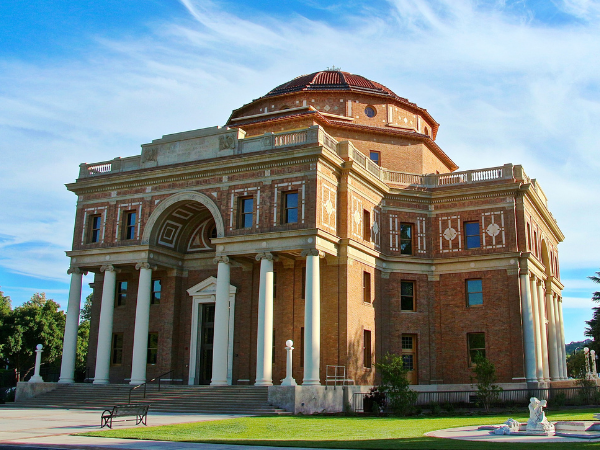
(263, 383)
(66, 381)
(36, 379)
(219, 383)
(137, 382)
(289, 382)
(311, 383)
(100, 382)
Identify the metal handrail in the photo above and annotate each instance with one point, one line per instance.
(150, 381)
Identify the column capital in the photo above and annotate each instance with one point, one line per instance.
(144, 265)
(313, 252)
(76, 271)
(266, 255)
(109, 268)
(524, 272)
(221, 259)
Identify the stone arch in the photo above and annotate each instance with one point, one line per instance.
(185, 196)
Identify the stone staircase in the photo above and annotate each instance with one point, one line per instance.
(181, 399)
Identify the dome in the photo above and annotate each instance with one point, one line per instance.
(333, 80)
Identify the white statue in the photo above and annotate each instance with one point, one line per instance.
(593, 364)
(588, 370)
(538, 423)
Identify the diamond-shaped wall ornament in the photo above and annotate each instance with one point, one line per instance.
(328, 207)
(450, 233)
(375, 228)
(357, 216)
(493, 229)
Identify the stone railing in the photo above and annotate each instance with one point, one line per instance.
(231, 145)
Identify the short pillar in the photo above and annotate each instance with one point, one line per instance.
(553, 358)
(528, 330)
(36, 378)
(289, 379)
(69, 354)
(264, 335)
(221, 324)
(105, 327)
(142, 321)
(312, 319)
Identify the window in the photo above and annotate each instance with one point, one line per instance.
(370, 111)
(474, 292)
(290, 207)
(427, 131)
(408, 347)
(375, 157)
(121, 293)
(366, 287)
(366, 225)
(407, 296)
(94, 224)
(116, 357)
(129, 225)
(152, 348)
(213, 232)
(156, 289)
(476, 343)
(246, 212)
(472, 234)
(367, 349)
(406, 234)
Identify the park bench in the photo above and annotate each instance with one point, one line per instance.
(139, 411)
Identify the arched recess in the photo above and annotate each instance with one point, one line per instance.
(154, 222)
(546, 258)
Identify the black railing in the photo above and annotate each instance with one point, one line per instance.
(572, 396)
(139, 386)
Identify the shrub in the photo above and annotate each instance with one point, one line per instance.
(485, 373)
(374, 401)
(448, 407)
(436, 409)
(394, 384)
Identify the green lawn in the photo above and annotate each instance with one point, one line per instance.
(339, 432)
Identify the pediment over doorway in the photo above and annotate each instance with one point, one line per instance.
(208, 287)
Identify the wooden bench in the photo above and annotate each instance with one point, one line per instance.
(139, 411)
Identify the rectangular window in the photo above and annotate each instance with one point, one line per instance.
(302, 347)
(366, 225)
(366, 287)
(375, 157)
(116, 357)
(476, 343)
(474, 290)
(407, 296)
(406, 237)
(129, 220)
(367, 349)
(246, 212)
(152, 348)
(94, 226)
(290, 207)
(121, 296)
(156, 289)
(472, 235)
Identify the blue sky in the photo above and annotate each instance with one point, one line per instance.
(509, 81)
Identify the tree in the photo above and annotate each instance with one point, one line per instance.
(485, 374)
(83, 334)
(5, 312)
(395, 384)
(37, 321)
(593, 328)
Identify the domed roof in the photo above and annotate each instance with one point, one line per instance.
(333, 80)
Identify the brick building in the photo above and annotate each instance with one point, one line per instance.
(323, 212)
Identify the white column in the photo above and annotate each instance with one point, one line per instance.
(221, 326)
(539, 368)
(543, 331)
(312, 319)
(142, 322)
(106, 325)
(561, 342)
(36, 378)
(528, 329)
(264, 338)
(69, 354)
(553, 359)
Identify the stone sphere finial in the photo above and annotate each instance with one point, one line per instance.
(289, 343)
(39, 347)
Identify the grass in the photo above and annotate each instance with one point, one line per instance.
(341, 432)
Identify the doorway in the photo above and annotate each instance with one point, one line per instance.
(205, 344)
(409, 357)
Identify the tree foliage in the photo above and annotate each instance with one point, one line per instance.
(593, 328)
(83, 334)
(395, 385)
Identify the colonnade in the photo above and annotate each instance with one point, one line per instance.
(264, 376)
(543, 330)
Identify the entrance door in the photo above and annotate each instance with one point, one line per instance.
(205, 344)
(409, 356)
